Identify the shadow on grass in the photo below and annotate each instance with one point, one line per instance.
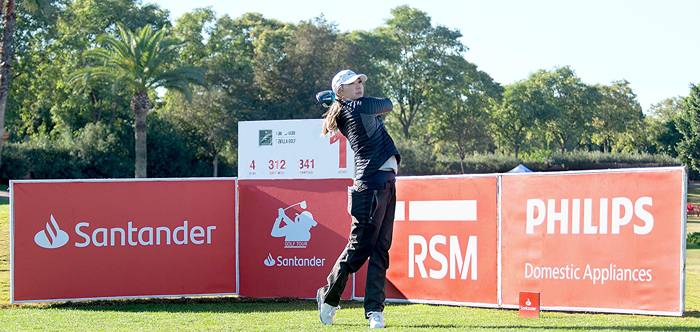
(225, 304)
(204, 303)
(692, 313)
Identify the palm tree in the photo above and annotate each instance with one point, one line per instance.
(141, 61)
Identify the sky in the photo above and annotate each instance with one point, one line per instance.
(653, 44)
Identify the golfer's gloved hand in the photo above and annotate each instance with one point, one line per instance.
(325, 98)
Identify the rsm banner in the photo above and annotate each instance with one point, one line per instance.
(292, 149)
(94, 239)
(609, 241)
(445, 242)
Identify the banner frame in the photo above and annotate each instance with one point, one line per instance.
(12, 244)
(238, 275)
(113, 180)
(499, 284)
(684, 217)
(593, 171)
(684, 190)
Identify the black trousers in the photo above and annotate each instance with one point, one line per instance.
(372, 211)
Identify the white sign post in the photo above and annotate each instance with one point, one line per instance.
(292, 149)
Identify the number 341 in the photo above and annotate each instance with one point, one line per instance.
(306, 164)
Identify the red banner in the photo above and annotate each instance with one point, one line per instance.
(445, 241)
(106, 239)
(290, 233)
(596, 241)
(608, 241)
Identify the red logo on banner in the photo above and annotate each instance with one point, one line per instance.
(529, 305)
(291, 232)
(52, 236)
(80, 240)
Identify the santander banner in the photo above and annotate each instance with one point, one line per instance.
(445, 241)
(595, 241)
(108, 239)
(290, 233)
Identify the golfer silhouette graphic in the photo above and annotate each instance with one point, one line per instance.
(298, 229)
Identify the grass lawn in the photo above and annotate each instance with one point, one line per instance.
(232, 313)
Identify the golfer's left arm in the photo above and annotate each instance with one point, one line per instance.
(375, 106)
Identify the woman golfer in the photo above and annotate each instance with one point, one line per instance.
(372, 198)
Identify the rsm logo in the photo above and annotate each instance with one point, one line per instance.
(52, 236)
(454, 260)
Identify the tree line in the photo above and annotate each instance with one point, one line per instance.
(112, 88)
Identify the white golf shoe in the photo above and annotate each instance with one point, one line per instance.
(376, 320)
(326, 312)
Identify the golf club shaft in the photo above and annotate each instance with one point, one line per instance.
(291, 206)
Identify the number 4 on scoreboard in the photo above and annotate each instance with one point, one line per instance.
(342, 149)
(252, 165)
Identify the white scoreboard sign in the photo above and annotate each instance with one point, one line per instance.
(292, 149)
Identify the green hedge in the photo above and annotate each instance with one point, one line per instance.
(106, 151)
(97, 152)
(38, 161)
(420, 160)
(692, 240)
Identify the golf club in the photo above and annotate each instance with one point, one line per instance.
(302, 204)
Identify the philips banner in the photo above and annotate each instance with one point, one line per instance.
(445, 242)
(122, 238)
(610, 241)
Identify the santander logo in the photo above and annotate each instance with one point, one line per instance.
(52, 236)
(132, 235)
(269, 261)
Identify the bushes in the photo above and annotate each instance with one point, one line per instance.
(692, 240)
(172, 152)
(94, 153)
(570, 161)
(93, 159)
(106, 151)
(101, 150)
(38, 160)
(579, 160)
(419, 159)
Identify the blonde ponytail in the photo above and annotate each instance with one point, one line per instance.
(330, 118)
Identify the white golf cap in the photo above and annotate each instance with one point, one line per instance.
(346, 76)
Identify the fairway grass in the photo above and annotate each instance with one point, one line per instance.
(233, 313)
